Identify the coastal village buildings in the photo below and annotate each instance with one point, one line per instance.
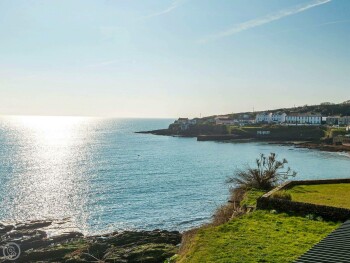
(224, 120)
(263, 117)
(309, 119)
(266, 117)
(337, 120)
(278, 117)
(185, 123)
(332, 120)
(241, 120)
(246, 121)
(345, 120)
(269, 118)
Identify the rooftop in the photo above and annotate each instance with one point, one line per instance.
(332, 249)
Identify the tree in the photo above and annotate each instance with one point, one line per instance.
(268, 173)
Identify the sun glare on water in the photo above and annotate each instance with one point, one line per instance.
(53, 186)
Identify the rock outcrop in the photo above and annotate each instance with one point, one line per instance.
(128, 246)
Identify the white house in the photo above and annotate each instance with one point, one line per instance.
(185, 123)
(263, 117)
(224, 120)
(276, 117)
(295, 118)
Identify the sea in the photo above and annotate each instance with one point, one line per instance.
(101, 176)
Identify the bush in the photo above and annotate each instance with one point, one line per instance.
(266, 175)
(282, 195)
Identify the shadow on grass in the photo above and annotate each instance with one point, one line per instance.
(301, 190)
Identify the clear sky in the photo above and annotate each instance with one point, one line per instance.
(166, 58)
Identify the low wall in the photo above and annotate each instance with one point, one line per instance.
(281, 133)
(326, 212)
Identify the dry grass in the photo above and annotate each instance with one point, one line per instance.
(187, 240)
(223, 214)
(230, 210)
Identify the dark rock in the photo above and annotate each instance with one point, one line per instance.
(147, 253)
(24, 234)
(5, 228)
(66, 237)
(33, 225)
(56, 253)
(144, 237)
(128, 246)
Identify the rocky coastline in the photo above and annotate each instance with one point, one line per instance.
(309, 144)
(316, 146)
(165, 132)
(30, 242)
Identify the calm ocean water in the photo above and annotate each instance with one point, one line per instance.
(102, 176)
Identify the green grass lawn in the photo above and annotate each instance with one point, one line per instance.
(337, 195)
(256, 237)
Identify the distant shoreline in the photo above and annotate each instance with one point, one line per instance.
(321, 147)
(308, 144)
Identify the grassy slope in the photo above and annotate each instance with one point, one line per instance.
(337, 195)
(256, 237)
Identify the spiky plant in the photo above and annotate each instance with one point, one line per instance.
(267, 174)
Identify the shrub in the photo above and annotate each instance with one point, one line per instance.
(282, 195)
(237, 195)
(188, 239)
(267, 174)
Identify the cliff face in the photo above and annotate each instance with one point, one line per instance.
(199, 129)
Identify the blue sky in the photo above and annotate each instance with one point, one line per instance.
(165, 58)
